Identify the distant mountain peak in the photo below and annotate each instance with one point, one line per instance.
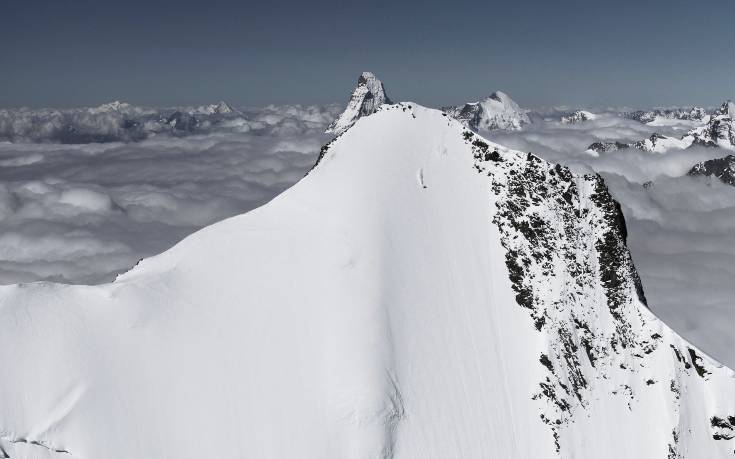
(578, 116)
(220, 108)
(367, 97)
(496, 111)
(114, 106)
(728, 108)
(719, 130)
(722, 168)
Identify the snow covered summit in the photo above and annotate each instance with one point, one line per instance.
(367, 97)
(220, 108)
(497, 111)
(422, 293)
(719, 130)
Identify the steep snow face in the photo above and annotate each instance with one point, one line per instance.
(422, 293)
(497, 111)
(578, 116)
(367, 97)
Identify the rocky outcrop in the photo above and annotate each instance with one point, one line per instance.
(721, 168)
(579, 116)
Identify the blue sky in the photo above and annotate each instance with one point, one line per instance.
(81, 52)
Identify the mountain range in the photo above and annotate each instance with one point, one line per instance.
(716, 129)
(421, 293)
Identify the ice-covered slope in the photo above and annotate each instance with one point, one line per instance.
(497, 111)
(422, 293)
(367, 97)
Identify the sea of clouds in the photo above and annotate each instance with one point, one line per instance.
(86, 193)
(82, 213)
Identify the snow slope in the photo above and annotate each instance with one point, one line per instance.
(422, 293)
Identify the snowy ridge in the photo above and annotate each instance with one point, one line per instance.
(422, 293)
(367, 97)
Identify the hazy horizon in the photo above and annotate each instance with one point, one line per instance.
(83, 53)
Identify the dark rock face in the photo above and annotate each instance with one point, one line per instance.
(722, 168)
(544, 212)
(182, 121)
(607, 147)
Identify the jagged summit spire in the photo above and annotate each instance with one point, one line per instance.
(365, 100)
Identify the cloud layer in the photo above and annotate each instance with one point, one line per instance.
(82, 213)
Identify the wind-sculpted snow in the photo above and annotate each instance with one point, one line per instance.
(421, 293)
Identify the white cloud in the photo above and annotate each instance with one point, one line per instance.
(82, 213)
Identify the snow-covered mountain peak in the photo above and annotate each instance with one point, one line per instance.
(422, 293)
(719, 130)
(660, 116)
(220, 108)
(367, 97)
(497, 111)
(578, 116)
(114, 106)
